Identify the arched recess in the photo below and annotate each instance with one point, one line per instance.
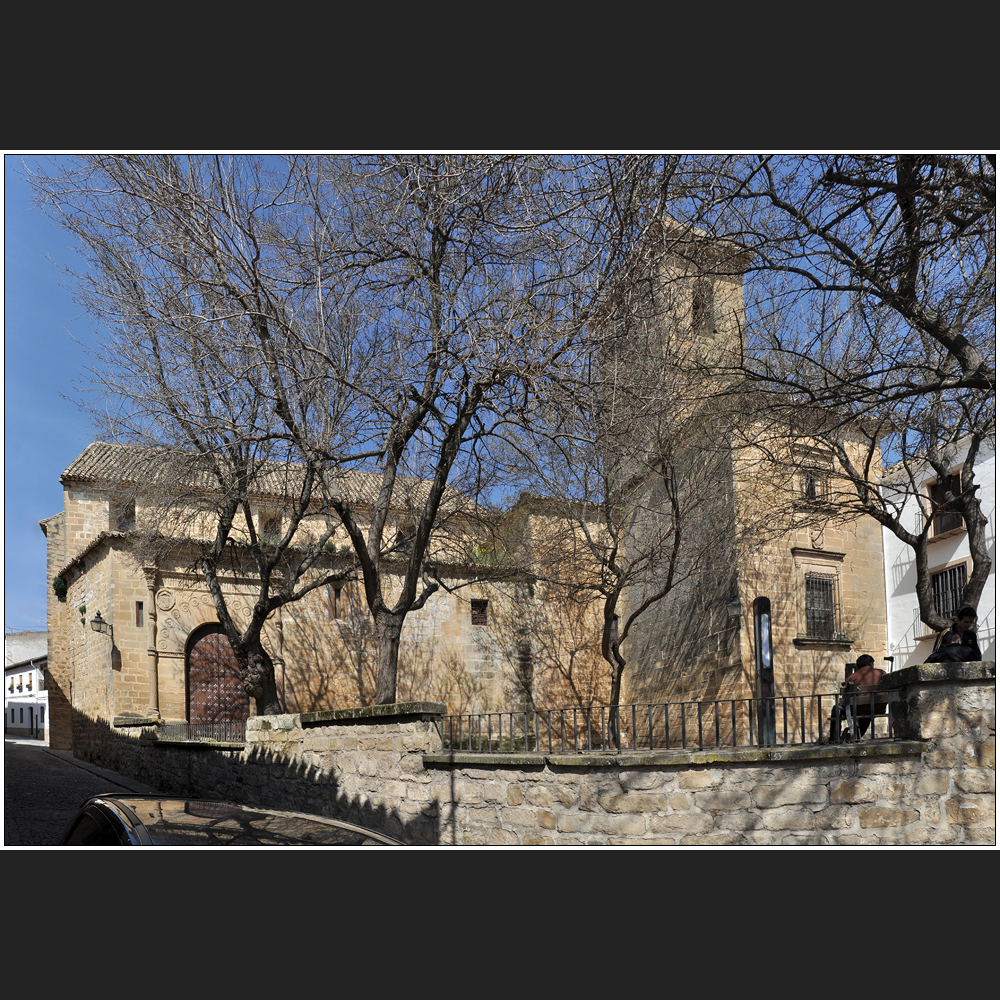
(215, 692)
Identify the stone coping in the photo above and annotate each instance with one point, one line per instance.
(198, 745)
(675, 758)
(930, 673)
(405, 708)
(128, 720)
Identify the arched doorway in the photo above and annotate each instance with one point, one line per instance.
(215, 693)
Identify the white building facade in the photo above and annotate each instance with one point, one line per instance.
(909, 640)
(25, 698)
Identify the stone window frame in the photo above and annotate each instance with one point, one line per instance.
(825, 564)
(334, 596)
(815, 471)
(479, 611)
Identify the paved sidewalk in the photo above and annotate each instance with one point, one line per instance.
(43, 788)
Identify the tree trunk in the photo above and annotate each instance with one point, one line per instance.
(388, 627)
(259, 680)
(614, 727)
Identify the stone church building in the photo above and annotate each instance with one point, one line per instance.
(771, 525)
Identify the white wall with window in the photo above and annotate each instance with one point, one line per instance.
(910, 641)
(25, 698)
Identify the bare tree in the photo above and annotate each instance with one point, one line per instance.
(466, 281)
(372, 320)
(184, 271)
(635, 473)
(870, 311)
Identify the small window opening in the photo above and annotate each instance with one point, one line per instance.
(701, 307)
(270, 529)
(334, 603)
(814, 486)
(945, 517)
(480, 612)
(140, 619)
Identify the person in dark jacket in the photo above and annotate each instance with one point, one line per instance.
(965, 625)
(952, 650)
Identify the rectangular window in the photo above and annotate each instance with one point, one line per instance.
(815, 485)
(334, 603)
(945, 518)
(21, 710)
(820, 607)
(140, 618)
(947, 588)
(480, 612)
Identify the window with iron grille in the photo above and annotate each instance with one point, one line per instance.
(820, 607)
(270, 528)
(814, 485)
(945, 517)
(947, 588)
(479, 612)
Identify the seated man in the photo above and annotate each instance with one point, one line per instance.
(965, 627)
(952, 650)
(865, 674)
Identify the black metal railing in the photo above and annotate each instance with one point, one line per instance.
(206, 732)
(687, 725)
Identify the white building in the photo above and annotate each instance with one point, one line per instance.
(909, 640)
(25, 698)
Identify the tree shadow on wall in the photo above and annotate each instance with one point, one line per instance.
(260, 778)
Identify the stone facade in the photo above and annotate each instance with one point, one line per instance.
(508, 654)
(758, 528)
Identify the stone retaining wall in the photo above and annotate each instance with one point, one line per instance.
(385, 767)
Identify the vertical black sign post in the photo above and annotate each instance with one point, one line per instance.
(764, 679)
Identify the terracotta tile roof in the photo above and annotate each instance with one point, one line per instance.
(116, 463)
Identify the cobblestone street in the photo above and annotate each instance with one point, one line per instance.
(43, 789)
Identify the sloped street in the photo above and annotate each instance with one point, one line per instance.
(43, 789)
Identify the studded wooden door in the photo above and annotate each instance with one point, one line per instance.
(215, 691)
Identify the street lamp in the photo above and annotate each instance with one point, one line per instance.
(733, 608)
(98, 624)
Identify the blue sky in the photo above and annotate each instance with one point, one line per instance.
(43, 432)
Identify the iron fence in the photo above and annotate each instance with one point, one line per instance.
(687, 725)
(206, 732)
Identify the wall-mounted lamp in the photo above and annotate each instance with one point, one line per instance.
(98, 624)
(733, 608)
